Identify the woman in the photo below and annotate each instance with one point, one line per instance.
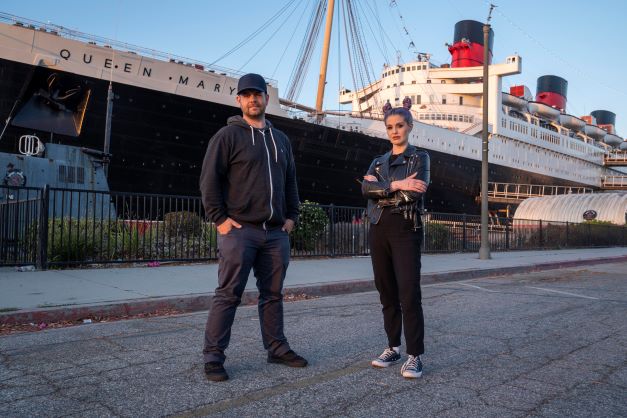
(394, 186)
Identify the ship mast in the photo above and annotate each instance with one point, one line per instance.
(322, 79)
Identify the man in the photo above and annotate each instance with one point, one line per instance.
(248, 187)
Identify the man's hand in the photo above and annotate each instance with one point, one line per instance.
(226, 226)
(288, 226)
(409, 184)
(370, 177)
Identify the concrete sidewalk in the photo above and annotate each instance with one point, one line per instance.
(55, 295)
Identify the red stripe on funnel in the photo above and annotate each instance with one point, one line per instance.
(552, 99)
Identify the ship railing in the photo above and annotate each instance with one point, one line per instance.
(56, 228)
(121, 46)
(614, 182)
(516, 191)
(616, 157)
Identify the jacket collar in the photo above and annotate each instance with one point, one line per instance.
(409, 151)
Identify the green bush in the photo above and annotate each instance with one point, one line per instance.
(586, 234)
(182, 223)
(311, 225)
(72, 239)
(437, 237)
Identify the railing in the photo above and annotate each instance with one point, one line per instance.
(54, 227)
(515, 191)
(20, 211)
(614, 182)
(616, 158)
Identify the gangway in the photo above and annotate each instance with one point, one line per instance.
(615, 158)
(614, 182)
(513, 193)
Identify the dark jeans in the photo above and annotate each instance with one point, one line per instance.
(395, 253)
(267, 253)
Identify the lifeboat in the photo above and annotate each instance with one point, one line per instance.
(613, 140)
(544, 111)
(514, 101)
(595, 132)
(572, 122)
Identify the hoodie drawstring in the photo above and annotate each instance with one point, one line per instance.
(252, 134)
(276, 154)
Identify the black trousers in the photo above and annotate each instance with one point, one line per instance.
(395, 254)
(267, 253)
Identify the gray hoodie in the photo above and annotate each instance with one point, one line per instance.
(248, 174)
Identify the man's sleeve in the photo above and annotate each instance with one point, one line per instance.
(212, 177)
(292, 200)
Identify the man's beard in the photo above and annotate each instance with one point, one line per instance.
(257, 113)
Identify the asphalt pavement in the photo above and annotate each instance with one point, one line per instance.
(544, 344)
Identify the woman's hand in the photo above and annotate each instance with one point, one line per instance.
(410, 184)
(370, 177)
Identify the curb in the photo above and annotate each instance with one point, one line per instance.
(202, 302)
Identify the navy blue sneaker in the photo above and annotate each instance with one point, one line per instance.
(389, 357)
(412, 368)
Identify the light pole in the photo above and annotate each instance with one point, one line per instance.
(484, 249)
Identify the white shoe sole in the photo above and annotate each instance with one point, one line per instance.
(383, 365)
(411, 375)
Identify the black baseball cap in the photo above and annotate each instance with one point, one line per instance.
(252, 81)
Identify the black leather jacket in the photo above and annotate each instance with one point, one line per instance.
(378, 193)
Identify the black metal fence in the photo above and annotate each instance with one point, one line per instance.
(55, 227)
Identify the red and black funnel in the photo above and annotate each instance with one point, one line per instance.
(605, 119)
(552, 91)
(467, 48)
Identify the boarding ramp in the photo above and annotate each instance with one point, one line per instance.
(614, 182)
(513, 193)
(615, 158)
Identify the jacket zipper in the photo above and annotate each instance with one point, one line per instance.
(270, 176)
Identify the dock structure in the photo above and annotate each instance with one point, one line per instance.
(513, 193)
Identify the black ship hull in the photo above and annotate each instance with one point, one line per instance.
(158, 141)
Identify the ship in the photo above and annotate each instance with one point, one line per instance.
(153, 114)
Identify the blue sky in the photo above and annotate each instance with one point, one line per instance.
(579, 40)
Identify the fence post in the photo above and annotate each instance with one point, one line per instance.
(464, 237)
(331, 231)
(541, 235)
(507, 223)
(42, 259)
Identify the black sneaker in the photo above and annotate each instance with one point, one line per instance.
(215, 372)
(290, 359)
(412, 368)
(387, 358)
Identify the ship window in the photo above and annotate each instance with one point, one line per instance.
(418, 99)
(403, 69)
(394, 84)
(461, 100)
(443, 99)
(401, 83)
(443, 81)
(413, 81)
(428, 81)
(397, 71)
(449, 117)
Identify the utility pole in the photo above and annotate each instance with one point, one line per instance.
(484, 249)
